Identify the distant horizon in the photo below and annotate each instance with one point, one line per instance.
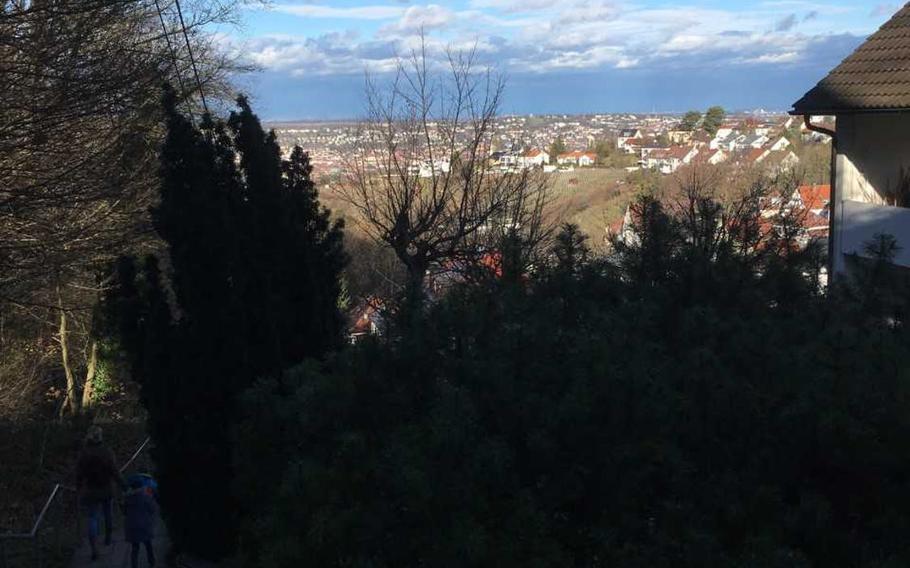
(730, 112)
(568, 57)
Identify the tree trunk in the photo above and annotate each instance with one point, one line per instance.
(69, 401)
(415, 293)
(88, 387)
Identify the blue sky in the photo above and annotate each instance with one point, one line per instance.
(559, 56)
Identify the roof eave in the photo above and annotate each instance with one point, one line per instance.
(836, 111)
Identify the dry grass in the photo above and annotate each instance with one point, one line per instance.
(591, 198)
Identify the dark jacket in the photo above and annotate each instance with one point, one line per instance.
(96, 473)
(139, 510)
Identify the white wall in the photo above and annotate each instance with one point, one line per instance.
(872, 148)
(861, 221)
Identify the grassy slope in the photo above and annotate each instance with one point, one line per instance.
(592, 198)
(589, 197)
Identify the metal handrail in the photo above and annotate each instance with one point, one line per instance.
(135, 454)
(55, 491)
(38, 521)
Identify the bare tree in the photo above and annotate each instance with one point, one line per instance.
(80, 128)
(423, 182)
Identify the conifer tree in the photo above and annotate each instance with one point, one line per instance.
(254, 282)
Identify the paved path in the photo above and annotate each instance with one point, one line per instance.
(117, 555)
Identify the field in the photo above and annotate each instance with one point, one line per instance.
(592, 198)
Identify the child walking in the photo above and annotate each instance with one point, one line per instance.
(140, 509)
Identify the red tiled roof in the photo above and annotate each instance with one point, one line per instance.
(577, 154)
(874, 77)
(815, 196)
(680, 152)
(817, 224)
(756, 155)
(705, 157)
(677, 152)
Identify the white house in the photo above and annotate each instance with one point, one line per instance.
(717, 142)
(534, 157)
(667, 161)
(567, 159)
(725, 131)
(625, 137)
(505, 160)
(712, 157)
(780, 144)
(869, 93)
(751, 141)
(427, 169)
(577, 158)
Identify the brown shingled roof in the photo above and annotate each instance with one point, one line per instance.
(874, 77)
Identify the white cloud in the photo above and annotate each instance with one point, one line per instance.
(541, 36)
(515, 6)
(417, 18)
(787, 57)
(354, 13)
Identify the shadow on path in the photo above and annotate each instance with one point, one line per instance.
(117, 555)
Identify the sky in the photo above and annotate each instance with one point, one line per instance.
(558, 56)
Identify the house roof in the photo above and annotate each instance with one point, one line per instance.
(708, 155)
(815, 196)
(875, 77)
(576, 154)
(753, 138)
(680, 152)
(815, 222)
(675, 152)
(779, 158)
(755, 155)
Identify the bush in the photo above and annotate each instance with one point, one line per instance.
(691, 400)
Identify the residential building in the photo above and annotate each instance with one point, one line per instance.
(869, 94)
(577, 158)
(626, 138)
(534, 157)
(668, 160)
(815, 198)
(750, 141)
(780, 144)
(680, 136)
(712, 157)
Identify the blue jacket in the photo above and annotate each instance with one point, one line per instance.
(140, 510)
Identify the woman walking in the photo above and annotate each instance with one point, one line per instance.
(96, 475)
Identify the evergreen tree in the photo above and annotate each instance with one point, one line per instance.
(556, 148)
(713, 119)
(688, 401)
(690, 121)
(255, 274)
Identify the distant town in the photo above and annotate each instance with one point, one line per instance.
(562, 143)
